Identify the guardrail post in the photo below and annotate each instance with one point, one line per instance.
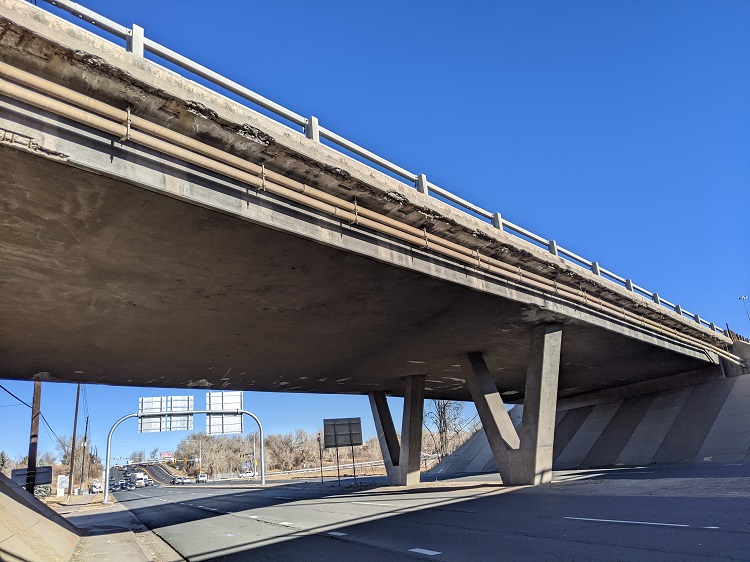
(595, 268)
(657, 300)
(497, 221)
(629, 284)
(311, 129)
(678, 309)
(422, 184)
(134, 41)
(697, 318)
(713, 327)
(552, 247)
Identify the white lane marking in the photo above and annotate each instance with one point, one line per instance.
(229, 535)
(286, 523)
(378, 504)
(425, 551)
(638, 522)
(336, 534)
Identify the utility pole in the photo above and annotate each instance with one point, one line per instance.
(34, 437)
(83, 458)
(200, 456)
(73, 444)
(743, 298)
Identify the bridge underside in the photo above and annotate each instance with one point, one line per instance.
(106, 282)
(206, 246)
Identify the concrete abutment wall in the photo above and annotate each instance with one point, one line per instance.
(700, 422)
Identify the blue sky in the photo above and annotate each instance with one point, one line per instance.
(620, 129)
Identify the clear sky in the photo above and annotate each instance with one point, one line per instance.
(621, 129)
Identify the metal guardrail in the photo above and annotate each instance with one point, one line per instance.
(138, 44)
(326, 468)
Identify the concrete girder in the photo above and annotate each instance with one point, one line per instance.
(524, 457)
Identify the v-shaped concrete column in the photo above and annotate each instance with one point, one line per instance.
(401, 461)
(411, 431)
(387, 436)
(524, 457)
(537, 431)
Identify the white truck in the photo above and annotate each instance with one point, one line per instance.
(139, 479)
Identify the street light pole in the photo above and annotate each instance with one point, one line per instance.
(743, 298)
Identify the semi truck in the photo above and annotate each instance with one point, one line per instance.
(139, 479)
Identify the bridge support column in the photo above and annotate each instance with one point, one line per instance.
(411, 431)
(537, 431)
(387, 436)
(498, 428)
(524, 457)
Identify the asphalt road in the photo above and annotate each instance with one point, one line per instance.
(669, 513)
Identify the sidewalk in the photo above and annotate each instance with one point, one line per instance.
(111, 532)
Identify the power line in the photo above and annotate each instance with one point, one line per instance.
(40, 413)
(14, 396)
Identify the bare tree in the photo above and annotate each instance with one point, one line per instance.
(46, 459)
(153, 453)
(444, 422)
(137, 456)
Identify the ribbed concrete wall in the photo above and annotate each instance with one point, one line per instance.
(29, 530)
(707, 422)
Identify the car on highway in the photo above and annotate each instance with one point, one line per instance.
(247, 475)
(202, 477)
(149, 482)
(130, 485)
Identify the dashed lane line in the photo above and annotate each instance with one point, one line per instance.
(377, 504)
(425, 551)
(626, 522)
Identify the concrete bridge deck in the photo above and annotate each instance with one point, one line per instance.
(202, 244)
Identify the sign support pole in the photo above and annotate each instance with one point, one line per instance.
(338, 466)
(184, 413)
(320, 452)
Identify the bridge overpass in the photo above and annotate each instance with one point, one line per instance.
(157, 233)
